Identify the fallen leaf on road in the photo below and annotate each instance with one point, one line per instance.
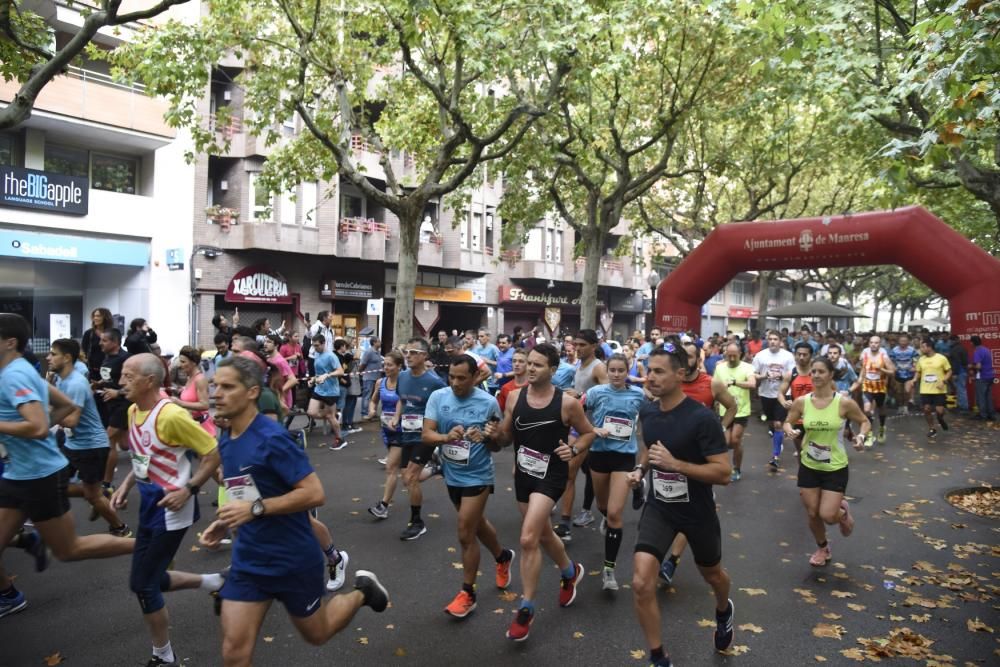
(577, 635)
(819, 658)
(843, 594)
(195, 547)
(920, 618)
(400, 652)
(736, 650)
(832, 616)
(638, 653)
(451, 550)
(896, 618)
(978, 626)
(457, 566)
(750, 627)
(855, 607)
(705, 623)
(54, 659)
(593, 573)
(754, 591)
(268, 639)
(355, 500)
(508, 596)
(434, 516)
(499, 610)
(853, 654)
(735, 536)
(390, 627)
(829, 630)
(363, 641)
(920, 602)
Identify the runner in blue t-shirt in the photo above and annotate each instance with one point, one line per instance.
(613, 409)
(270, 488)
(454, 420)
(33, 485)
(86, 439)
(415, 386)
(326, 389)
(904, 356)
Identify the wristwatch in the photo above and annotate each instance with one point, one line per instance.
(573, 449)
(193, 488)
(257, 509)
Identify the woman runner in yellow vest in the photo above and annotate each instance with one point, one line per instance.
(823, 474)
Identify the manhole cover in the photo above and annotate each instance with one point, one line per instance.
(979, 500)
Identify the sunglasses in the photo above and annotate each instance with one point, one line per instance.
(414, 351)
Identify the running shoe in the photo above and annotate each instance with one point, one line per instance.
(12, 605)
(376, 596)
(821, 556)
(881, 435)
(338, 572)
(37, 550)
(773, 463)
(724, 628)
(736, 475)
(931, 433)
(354, 429)
(337, 445)
(664, 661)
(564, 532)
(382, 461)
(639, 495)
(414, 529)
(503, 571)
(463, 605)
(567, 587)
(869, 441)
(435, 470)
(667, 570)
(847, 521)
(156, 661)
(379, 510)
(121, 531)
(584, 518)
(609, 583)
(520, 627)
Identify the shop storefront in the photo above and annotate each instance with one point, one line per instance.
(740, 318)
(258, 292)
(556, 309)
(55, 280)
(347, 298)
(443, 301)
(627, 314)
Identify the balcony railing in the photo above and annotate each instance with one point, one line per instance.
(606, 264)
(103, 79)
(231, 127)
(363, 225)
(512, 257)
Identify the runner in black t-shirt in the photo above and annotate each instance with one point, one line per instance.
(111, 400)
(686, 453)
(537, 419)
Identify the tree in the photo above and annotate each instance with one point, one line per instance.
(644, 67)
(26, 54)
(455, 83)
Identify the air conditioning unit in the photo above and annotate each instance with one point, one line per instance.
(227, 95)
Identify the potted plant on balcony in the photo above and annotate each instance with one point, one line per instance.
(222, 216)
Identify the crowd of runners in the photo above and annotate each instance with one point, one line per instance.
(655, 425)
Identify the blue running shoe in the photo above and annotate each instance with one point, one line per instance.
(38, 551)
(724, 628)
(12, 605)
(667, 570)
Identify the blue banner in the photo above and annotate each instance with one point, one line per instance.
(63, 248)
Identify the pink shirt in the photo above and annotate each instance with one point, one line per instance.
(285, 371)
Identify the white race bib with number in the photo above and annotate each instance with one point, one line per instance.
(532, 463)
(670, 487)
(457, 452)
(387, 420)
(140, 465)
(930, 378)
(413, 423)
(872, 375)
(241, 487)
(818, 452)
(618, 428)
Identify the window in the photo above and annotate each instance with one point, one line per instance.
(720, 296)
(533, 246)
(549, 243)
(66, 161)
(742, 292)
(351, 207)
(114, 174)
(287, 205)
(465, 230)
(310, 196)
(557, 245)
(477, 230)
(6, 149)
(260, 200)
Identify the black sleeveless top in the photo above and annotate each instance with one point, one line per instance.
(541, 429)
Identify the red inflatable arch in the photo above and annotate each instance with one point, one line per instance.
(910, 237)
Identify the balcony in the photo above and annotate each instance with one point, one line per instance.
(81, 94)
(370, 160)
(430, 247)
(255, 235)
(612, 273)
(242, 144)
(519, 268)
(362, 238)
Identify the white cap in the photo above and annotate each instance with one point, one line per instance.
(686, 339)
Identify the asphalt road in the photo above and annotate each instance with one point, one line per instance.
(893, 573)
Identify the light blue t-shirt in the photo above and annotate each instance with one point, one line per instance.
(465, 463)
(29, 458)
(327, 363)
(81, 368)
(616, 410)
(488, 351)
(565, 375)
(414, 393)
(89, 433)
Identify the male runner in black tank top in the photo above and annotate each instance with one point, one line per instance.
(537, 420)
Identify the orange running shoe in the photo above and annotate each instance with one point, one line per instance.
(461, 606)
(503, 571)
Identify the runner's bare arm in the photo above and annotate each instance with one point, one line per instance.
(574, 415)
(430, 436)
(501, 432)
(376, 397)
(851, 411)
(794, 414)
(62, 408)
(726, 400)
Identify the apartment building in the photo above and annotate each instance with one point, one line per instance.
(94, 196)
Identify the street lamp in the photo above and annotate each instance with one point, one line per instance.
(654, 281)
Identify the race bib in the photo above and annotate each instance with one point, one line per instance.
(140, 465)
(412, 423)
(618, 428)
(532, 463)
(818, 452)
(930, 378)
(457, 452)
(241, 487)
(387, 420)
(871, 375)
(670, 487)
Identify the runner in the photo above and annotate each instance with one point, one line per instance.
(614, 407)
(162, 437)
(519, 377)
(194, 396)
(771, 367)
(738, 376)
(454, 420)
(933, 370)
(685, 453)
(108, 393)
(983, 373)
(591, 371)
(822, 482)
(798, 384)
(904, 359)
(86, 440)
(33, 485)
(386, 396)
(325, 389)
(709, 391)
(505, 364)
(271, 487)
(415, 387)
(282, 377)
(537, 420)
(876, 368)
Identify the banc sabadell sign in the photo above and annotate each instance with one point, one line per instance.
(43, 191)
